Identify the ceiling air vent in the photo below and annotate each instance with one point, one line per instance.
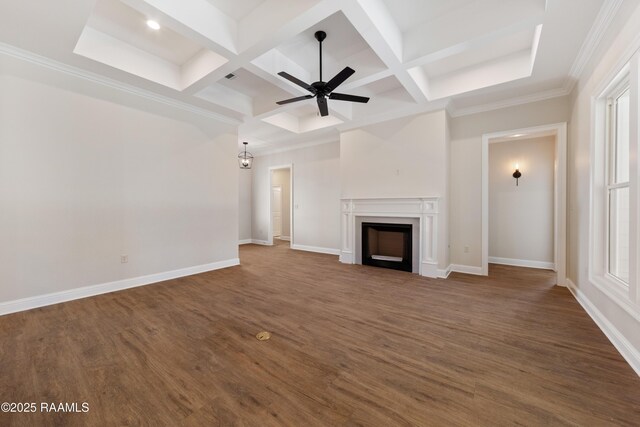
(230, 76)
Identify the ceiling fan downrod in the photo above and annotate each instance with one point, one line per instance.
(320, 36)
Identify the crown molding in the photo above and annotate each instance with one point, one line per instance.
(24, 55)
(512, 102)
(449, 108)
(321, 141)
(594, 37)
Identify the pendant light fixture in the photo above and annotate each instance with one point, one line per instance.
(245, 159)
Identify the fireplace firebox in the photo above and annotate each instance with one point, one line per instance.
(387, 245)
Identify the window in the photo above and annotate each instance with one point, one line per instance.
(614, 233)
(617, 188)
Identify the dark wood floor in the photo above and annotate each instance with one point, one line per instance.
(351, 345)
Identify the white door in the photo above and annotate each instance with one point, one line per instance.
(276, 211)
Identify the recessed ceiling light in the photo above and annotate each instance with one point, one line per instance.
(153, 24)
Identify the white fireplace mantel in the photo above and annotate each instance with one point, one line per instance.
(423, 208)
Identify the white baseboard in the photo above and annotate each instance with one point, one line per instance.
(624, 347)
(522, 263)
(466, 269)
(261, 242)
(317, 249)
(346, 257)
(443, 274)
(245, 241)
(103, 288)
(429, 269)
(286, 238)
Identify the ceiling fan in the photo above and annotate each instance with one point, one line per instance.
(323, 90)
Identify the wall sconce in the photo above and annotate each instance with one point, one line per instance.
(517, 174)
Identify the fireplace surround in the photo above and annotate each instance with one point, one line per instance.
(422, 213)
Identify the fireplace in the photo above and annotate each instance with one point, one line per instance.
(387, 245)
(420, 212)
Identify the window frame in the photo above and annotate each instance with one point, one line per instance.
(620, 85)
(627, 296)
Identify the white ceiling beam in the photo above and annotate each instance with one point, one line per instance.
(354, 83)
(229, 98)
(267, 37)
(373, 15)
(201, 64)
(273, 61)
(374, 23)
(275, 21)
(421, 79)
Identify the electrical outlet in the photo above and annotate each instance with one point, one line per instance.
(124, 259)
(466, 249)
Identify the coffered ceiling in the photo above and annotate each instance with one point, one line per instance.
(409, 55)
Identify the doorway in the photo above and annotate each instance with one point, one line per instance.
(281, 205)
(558, 208)
(521, 210)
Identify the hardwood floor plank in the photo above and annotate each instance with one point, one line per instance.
(351, 345)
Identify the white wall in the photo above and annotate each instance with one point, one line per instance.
(281, 179)
(621, 321)
(84, 181)
(316, 195)
(466, 168)
(245, 184)
(406, 157)
(521, 217)
(398, 158)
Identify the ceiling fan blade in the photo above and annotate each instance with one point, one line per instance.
(297, 81)
(322, 106)
(345, 97)
(339, 78)
(299, 98)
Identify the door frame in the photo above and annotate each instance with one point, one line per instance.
(560, 195)
(291, 210)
